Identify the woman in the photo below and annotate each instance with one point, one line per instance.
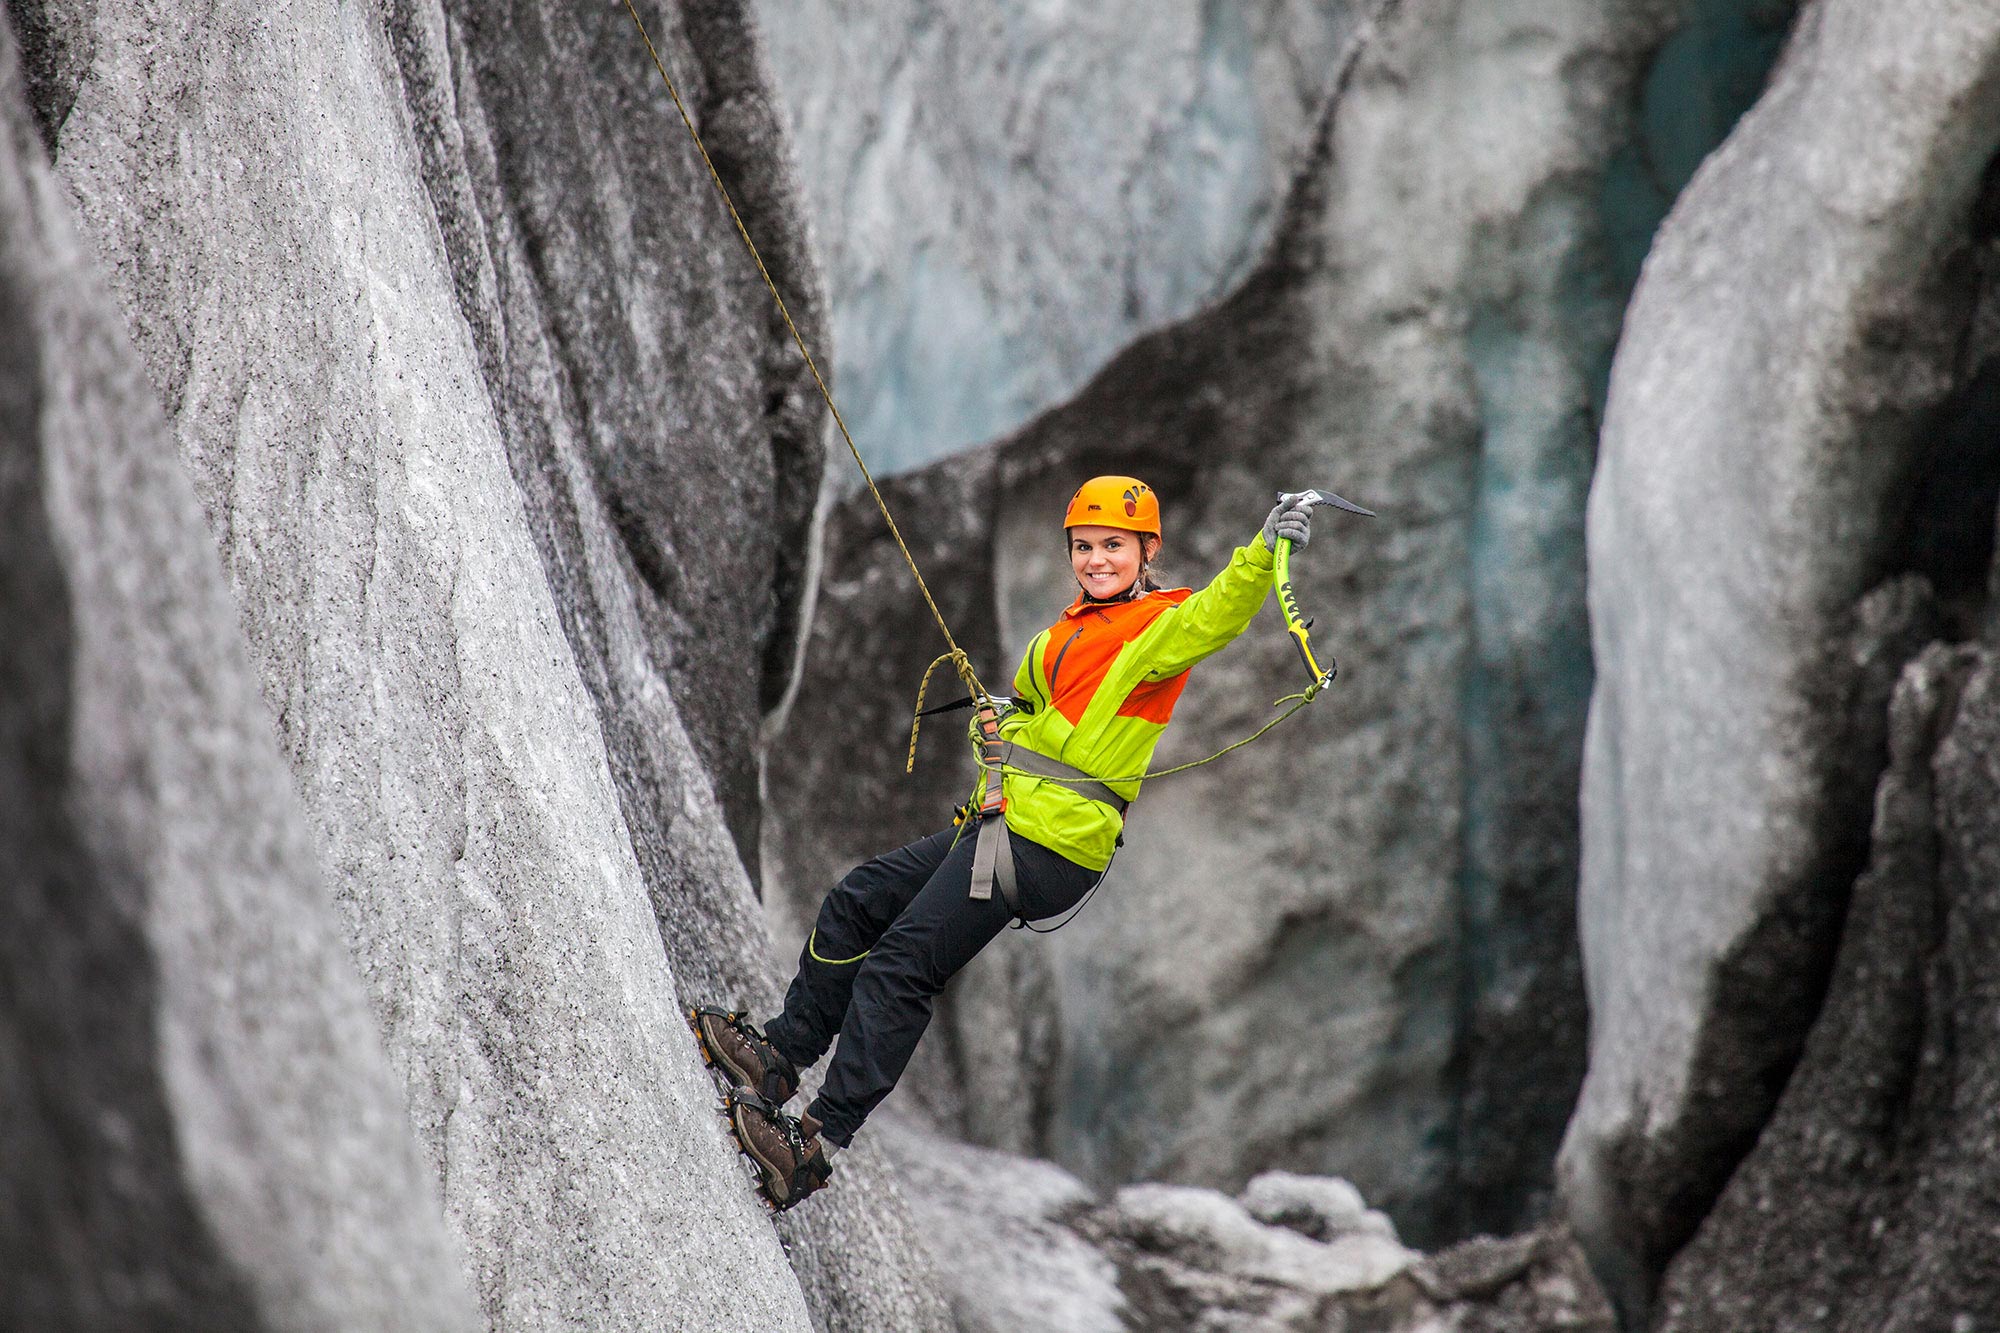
(1094, 692)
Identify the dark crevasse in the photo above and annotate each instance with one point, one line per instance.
(55, 40)
(1699, 84)
(1947, 534)
(1528, 681)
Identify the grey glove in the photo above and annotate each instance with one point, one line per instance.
(1292, 519)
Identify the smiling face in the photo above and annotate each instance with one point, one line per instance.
(1107, 560)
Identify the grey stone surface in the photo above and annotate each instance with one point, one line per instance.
(1537, 1282)
(1868, 1201)
(201, 1128)
(1007, 194)
(1320, 1207)
(1351, 950)
(442, 333)
(1802, 318)
(643, 466)
(1192, 1259)
(1001, 1227)
(1025, 1247)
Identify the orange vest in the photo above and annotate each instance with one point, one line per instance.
(1102, 683)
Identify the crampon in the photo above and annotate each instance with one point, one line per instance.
(785, 1154)
(734, 1047)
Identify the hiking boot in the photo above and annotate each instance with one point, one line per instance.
(786, 1152)
(731, 1043)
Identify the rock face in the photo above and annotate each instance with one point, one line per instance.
(1007, 195)
(479, 394)
(1870, 1194)
(642, 465)
(202, 1130)
(1814, 292)
(1351, 951)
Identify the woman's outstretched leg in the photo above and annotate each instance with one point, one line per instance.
(851, 919)
(886, 995)
(891, 996)
(851, 922)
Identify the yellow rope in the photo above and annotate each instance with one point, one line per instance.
(960, 662)
(917, 718)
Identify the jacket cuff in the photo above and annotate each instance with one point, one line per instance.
(1261, 555)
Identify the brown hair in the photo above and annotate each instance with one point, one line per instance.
(1146, 583)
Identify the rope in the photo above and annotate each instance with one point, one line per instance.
(917, 718)
(956, 656)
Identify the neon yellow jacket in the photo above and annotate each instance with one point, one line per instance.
(1103, 681)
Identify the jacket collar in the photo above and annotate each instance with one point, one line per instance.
(1083, 604)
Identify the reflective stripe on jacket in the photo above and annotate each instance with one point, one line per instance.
(1103, 681)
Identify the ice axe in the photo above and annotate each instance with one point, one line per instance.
(1296, 625)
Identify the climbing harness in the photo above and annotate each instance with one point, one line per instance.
(993, 854)
(1002, 853)
(1022, 923)
(993, 863)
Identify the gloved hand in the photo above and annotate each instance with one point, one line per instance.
(1291, 519)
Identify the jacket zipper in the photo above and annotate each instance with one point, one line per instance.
(1060, 654)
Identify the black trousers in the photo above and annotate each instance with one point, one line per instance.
(888, 938)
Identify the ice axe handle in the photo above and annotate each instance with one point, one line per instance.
(1297, 625)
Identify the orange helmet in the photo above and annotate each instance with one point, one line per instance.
(1115, 502)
